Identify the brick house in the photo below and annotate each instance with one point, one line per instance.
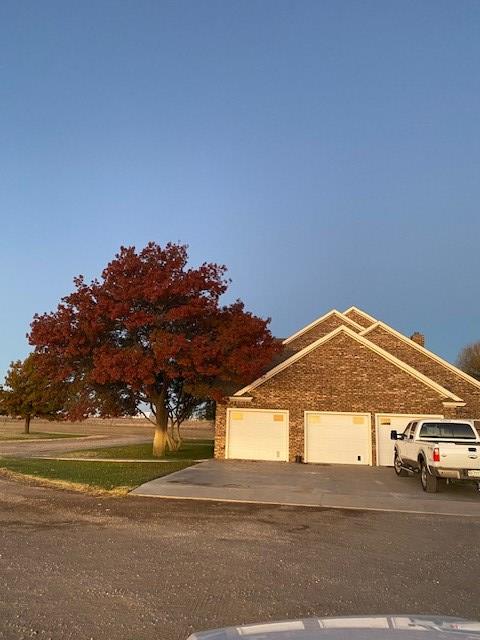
(335, 392)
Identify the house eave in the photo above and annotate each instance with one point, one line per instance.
(240, 398)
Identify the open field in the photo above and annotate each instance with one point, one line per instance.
(96, 426)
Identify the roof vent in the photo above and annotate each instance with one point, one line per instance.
(419, 338)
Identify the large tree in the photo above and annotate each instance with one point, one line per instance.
(150, 334)
(469, 360)
(29, 394)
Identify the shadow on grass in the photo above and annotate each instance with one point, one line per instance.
(190, 450)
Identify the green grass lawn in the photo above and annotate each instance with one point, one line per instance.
(116, 477)
(41, 435)
(190, 450)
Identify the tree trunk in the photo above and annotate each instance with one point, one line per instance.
(177, 436)
(159, 442)
(161, 436)
(28, 417)
(171, 444)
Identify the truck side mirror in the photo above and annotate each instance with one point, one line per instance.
(393, 435)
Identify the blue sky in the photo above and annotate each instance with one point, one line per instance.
(327, 152)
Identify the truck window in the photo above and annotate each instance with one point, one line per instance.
(412, 430)
(447, 430)
(407, 430)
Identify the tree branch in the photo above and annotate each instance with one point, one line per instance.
(145, 416)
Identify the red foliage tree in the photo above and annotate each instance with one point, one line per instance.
(151, 331)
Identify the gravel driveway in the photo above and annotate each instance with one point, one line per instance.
(79, 567)
(47, 448)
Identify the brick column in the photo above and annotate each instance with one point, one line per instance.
(220, 430)
(450, 411)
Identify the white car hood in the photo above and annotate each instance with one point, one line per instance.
(390, 627)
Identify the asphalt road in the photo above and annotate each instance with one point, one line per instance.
(75, 566)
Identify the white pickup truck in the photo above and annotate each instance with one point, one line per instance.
(440, 450)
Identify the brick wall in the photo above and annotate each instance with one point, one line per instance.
(318, 331)
(341, 375)
(469, 392)
(359, 319)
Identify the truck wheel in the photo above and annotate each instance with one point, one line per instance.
(397, 465)
(429, 482)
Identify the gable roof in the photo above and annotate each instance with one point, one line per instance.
(366, 315)
(365, 342)
(426, 352)
(316, 322)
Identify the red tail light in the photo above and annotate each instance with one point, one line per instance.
(436, 454)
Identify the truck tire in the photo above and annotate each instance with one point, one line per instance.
(397, 465)
(429, 481)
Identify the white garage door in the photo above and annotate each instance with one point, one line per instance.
(385, 423)
(257, 434)
(337, 438)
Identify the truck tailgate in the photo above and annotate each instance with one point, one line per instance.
(459, 455)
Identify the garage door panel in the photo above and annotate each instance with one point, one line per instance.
(385, 423)
(257, 435)
(337, 438)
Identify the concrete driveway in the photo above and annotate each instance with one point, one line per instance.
(336, 486)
